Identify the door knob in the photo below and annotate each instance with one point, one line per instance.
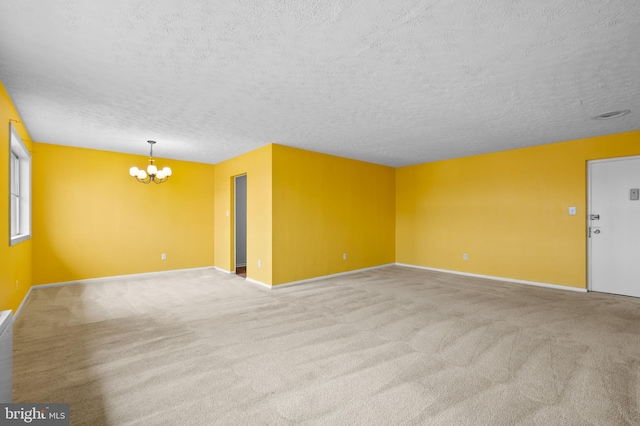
(597, 231)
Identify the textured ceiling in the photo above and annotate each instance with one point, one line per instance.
(394, 82)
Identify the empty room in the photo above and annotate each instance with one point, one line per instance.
(320, 213)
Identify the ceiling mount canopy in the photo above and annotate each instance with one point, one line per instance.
(152, 174)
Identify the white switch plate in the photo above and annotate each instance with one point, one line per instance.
(164, 256)
(572, 210)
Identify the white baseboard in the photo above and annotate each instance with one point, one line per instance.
(491, 277)
(24, 302)
(323, 277)
(260, 283)
(120, 277)
(101, 280)
(291, 283)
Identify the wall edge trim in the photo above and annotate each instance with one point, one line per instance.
(101, 279)
(24, 302)
(491, 277)
(324, 277)
(223, 270)
(260, 283)
(119, 277)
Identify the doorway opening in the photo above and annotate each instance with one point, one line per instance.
(240, 225)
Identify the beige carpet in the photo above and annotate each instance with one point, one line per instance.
(385, 347)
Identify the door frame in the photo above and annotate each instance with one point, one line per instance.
(587, 219)
(234, 219)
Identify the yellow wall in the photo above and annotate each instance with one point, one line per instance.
(15, 261)
(257, 166)
(324, 206)
(507, 210)
(91, 219)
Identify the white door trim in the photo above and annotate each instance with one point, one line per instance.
(235, 220)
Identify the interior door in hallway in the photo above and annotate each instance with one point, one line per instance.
(614, 226)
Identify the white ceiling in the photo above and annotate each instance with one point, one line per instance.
(394, 82)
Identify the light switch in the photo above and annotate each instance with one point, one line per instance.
(634, 194)
(572, 210)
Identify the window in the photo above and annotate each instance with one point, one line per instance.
(19, 189)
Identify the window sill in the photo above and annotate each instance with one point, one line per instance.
(18, 239)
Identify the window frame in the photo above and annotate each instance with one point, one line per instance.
(20, 180)
(14, 194)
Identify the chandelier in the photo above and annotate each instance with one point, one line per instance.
(152, 174)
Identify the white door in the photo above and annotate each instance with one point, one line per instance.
(614, 226)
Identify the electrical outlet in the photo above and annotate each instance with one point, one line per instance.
(17, 284)
(344, 256)
(259, 263)
(465, 257)
(572, 211)
(164, 256)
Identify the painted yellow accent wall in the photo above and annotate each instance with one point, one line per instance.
(507, 210)
(91, 219)
(257, 165)
(15, 261)
(325, 206)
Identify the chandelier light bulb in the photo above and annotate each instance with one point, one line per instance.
(152, 174)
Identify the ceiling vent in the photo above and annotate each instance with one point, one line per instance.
(611, 114)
